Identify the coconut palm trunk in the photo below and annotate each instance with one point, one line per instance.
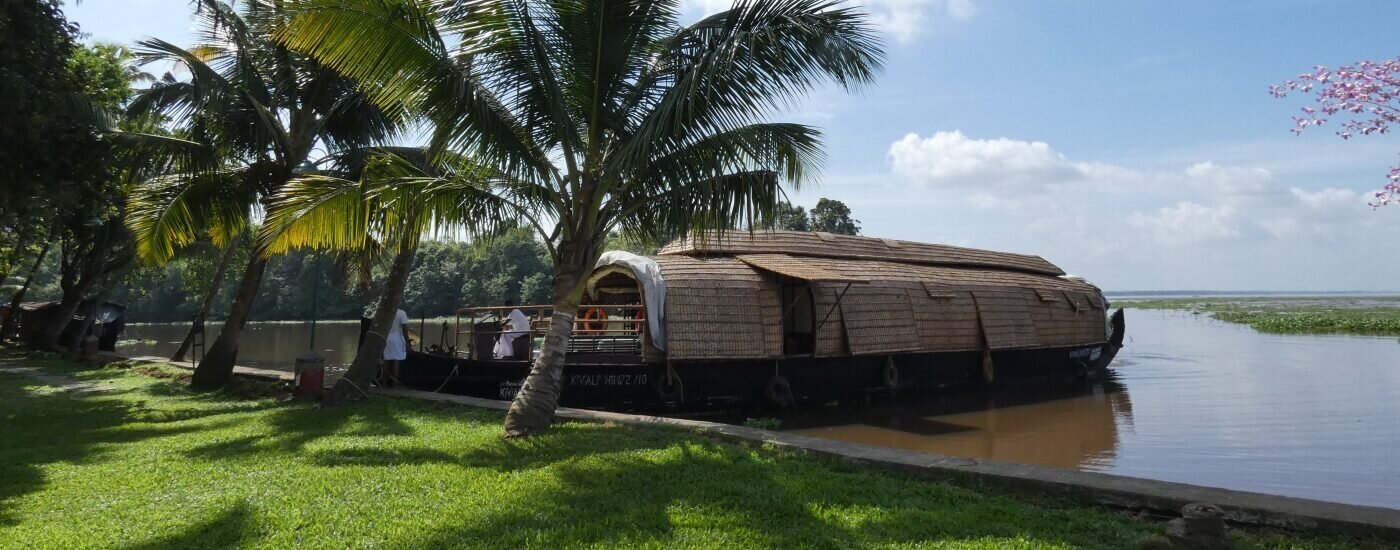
(11, 320)
(216, 369)
(532, 410)
(356, 380)
(214, 285)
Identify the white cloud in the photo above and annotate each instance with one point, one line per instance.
(1231, 180)
(1188, 222)
(1197, 224)
(953, 159)
(905, 20)
(1326, 198)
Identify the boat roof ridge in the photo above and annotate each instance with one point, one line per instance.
(857, 247)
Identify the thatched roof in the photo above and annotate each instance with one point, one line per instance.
(827, 245)
(798, 268)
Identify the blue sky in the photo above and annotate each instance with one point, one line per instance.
(1131, 142)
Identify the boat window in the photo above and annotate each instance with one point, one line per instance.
(799, 336)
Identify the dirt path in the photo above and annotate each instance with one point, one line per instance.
(64, 383)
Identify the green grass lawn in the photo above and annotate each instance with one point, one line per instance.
(152, 465)
(1369, 316)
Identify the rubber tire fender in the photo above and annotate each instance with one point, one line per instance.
(669, 388)
(890, 374)
(778, 391)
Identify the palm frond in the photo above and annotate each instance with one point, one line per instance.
(717, 204)
(175, 210)
(392, 48)
(320, 212)
(398, 195)
(791, 150)
(730, 69)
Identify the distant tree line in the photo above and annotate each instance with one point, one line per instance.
(446, 275)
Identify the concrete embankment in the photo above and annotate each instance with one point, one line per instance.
(1156, 497)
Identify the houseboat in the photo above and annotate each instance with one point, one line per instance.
(778, 317)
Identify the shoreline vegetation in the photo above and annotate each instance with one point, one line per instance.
(150, 463)
(1365, 316)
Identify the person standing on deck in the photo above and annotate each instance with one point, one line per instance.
(516, 325)
(395, 349)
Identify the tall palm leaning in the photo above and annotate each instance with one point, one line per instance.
(216, 282)
(260, 110)
(601, 114)
(383, 200)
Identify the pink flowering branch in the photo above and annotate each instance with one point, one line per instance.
(1368, 91)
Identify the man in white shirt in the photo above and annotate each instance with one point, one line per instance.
(516, 325)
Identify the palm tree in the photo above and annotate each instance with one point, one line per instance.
(382, 202)
(260, 110)
(215, 283)
(601, 114)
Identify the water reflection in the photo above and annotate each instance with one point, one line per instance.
(1213, 404)
(1066, 424)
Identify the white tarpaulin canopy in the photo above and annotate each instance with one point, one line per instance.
(647, 274)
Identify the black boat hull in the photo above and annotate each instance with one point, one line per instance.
(628, 386)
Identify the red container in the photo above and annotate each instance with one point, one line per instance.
(310, 375)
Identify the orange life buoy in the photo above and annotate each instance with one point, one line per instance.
(637, 325)
(594, 321)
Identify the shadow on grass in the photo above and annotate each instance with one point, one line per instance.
(627, 486)
(292, 428)
(229, 529)
(566, 442)
(607, 495)
(43, 428)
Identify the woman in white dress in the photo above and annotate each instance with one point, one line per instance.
(395, 348)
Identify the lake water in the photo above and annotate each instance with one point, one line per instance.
(271, 345)
(1191, 400)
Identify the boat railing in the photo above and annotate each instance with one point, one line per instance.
(598, 329)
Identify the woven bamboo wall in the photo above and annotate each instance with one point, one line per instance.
(1078, 318)
(947, 318)
(719, 308)
(801, 243)
(1007, 316)
(831, 335)
(879, 319)
(1057, 323)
